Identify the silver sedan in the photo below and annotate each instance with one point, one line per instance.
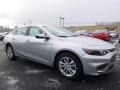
(72, 55)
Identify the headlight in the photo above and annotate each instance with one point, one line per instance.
(96, 52)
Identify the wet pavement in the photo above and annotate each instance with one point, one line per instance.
(23, 74)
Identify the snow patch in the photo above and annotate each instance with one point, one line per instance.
(34, 71)
(118, 82)
(11, 83)
(51, 83)
(2, 73)
(11, 80)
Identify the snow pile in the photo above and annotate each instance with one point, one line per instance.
(51, 83)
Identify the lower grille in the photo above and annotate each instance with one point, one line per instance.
(110, 67)
(101, 66)
(111, 50)
(113, 59)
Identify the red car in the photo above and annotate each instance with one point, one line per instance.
(101, 34)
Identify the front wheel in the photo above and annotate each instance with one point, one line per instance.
(69, 66)
(10, 52)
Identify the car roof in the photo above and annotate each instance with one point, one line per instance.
(38, 25)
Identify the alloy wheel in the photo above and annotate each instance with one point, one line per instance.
(67, 66)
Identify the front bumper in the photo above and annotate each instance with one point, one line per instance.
(96, 65)
(114, 36)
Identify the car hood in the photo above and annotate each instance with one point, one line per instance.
(88, 42)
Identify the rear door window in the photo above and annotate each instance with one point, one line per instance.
(35, 30)
(22, 31)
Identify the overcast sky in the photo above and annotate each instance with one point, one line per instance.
(75, 12)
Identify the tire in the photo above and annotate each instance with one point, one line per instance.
(10, 53)
(74, 68)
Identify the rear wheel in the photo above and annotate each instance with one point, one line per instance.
(10, 52)
(69, 66)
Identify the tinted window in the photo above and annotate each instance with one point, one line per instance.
(34, 30)
(21, 31)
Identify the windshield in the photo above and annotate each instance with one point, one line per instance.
(58, 31)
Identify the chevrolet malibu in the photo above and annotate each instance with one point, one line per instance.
(72, 55)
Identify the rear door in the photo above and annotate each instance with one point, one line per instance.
(19, 40)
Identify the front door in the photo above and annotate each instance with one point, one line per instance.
(38, 48)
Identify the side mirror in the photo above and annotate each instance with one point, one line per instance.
(42, 36)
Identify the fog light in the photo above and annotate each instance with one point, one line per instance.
(101, 66)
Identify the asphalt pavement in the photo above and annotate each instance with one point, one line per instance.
(23, 74)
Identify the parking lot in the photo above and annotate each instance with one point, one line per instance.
(27, 75)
